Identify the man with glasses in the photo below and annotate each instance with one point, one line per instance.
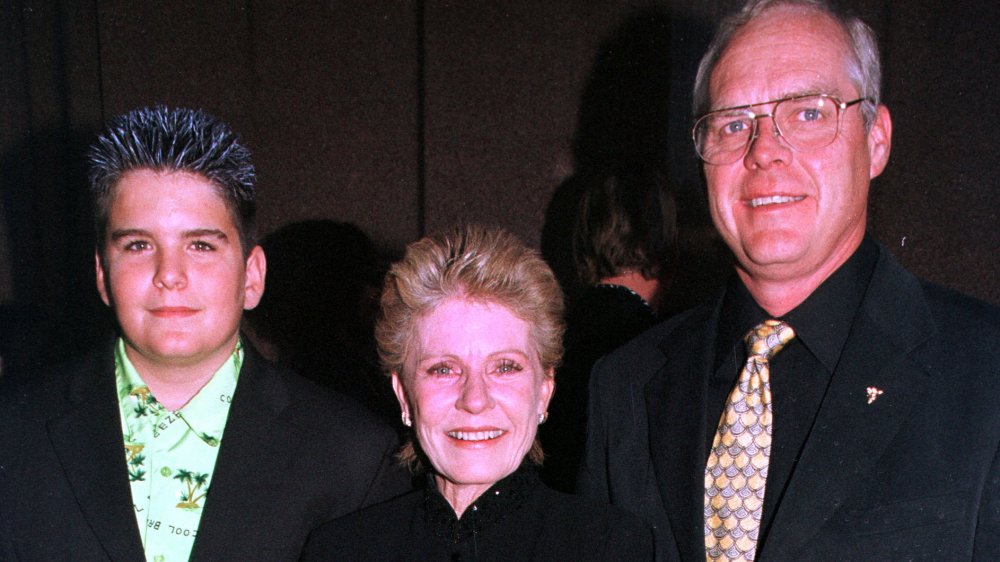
(829, 405)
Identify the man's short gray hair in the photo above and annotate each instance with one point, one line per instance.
(864, 69)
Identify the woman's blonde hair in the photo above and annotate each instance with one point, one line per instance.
(479, 264)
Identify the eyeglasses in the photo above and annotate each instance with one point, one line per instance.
(806, 122)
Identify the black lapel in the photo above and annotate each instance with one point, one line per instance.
(675, 402)
(256, 449)
(87, 438)
(850, 435)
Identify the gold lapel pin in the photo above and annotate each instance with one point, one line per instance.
(873, 394)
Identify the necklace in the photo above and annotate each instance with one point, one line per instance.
(623, 287)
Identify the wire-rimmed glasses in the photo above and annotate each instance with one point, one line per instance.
(806, 122)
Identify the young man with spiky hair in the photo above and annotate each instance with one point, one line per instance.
(177, 441)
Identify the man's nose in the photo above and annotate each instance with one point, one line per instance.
(767, 147)
(170, 271)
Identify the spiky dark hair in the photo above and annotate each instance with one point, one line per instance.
(174, 140)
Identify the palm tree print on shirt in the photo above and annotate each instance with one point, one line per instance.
(135, 462)
(193, 482)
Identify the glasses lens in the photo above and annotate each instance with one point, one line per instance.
(721, 138)
(807, 123)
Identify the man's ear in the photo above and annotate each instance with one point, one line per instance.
(879, 141)
(102, 285)
(256, 271)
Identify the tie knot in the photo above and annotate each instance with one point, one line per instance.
(768, 338)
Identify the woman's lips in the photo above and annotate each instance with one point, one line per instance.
(476, 436)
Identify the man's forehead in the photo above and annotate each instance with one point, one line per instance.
(783, 52)
(156, 184)
(144, 198)
(157, 178)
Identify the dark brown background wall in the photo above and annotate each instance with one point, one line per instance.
(406, 116)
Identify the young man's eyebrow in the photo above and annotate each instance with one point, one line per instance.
(126, 232)
(194, 233)
(205, 233)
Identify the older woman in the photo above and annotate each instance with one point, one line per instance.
(470, 333)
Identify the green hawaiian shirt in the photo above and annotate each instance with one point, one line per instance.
(171, 455)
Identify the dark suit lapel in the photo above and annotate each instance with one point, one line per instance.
(257, 447)
(675, 402)
(87, 438)
(850, 435)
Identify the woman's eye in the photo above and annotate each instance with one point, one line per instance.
(440, 369)
(507, 366)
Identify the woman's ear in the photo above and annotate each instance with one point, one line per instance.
(548, 388)
(400, 390)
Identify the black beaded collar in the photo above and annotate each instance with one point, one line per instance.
(503, 498)
(616, 287)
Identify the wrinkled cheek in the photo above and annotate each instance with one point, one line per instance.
(728, 223)
(721, 210)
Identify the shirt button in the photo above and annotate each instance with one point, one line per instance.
(165, 471)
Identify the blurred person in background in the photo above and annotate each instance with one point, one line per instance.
(625, 249)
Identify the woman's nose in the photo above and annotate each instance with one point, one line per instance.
(476, 396)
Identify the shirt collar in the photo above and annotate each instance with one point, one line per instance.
(207, 410)
(496, 503)
(822, 322)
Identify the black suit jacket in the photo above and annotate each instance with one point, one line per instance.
(602, 320)
(293, 456)
(913, 475)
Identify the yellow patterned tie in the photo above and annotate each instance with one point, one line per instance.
(736, 472)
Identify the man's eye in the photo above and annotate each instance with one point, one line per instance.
(202, 246)
(734, 127)
(136, 246)
(811, 114)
